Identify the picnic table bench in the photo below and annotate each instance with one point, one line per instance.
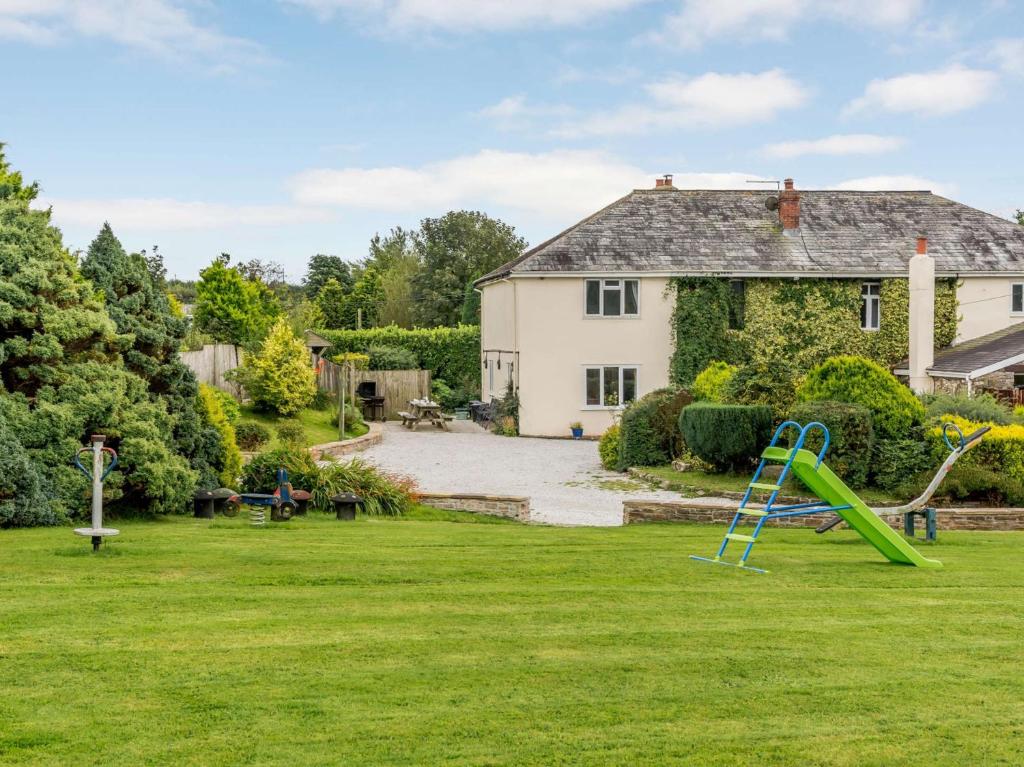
(421, 410)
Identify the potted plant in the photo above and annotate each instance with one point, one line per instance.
(577, 430)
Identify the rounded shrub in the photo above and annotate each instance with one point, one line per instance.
(852, 437)
(279, 377)
(650, 429)
(392, 358)
(895, 411)
(981, 407)
(728, 437)
(608, 447)
(712, 382)
(291, 434)
(251, 436)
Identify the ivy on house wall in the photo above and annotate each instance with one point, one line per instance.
(801, 321)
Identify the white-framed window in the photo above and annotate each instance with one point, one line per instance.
(1017, 298)
(612, 298)
(609, 385)
(870, 305)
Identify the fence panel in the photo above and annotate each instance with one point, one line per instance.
(396, 386)
(211, 363)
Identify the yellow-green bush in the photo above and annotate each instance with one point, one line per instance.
(279, 377)
(711, 383)
(1001, 450)
(212, 411)
(608, 447)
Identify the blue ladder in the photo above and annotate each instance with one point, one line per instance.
(770, 511)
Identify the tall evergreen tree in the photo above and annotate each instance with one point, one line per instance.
(62, 376)
(135, 295)
(231, 308)
(323, 268)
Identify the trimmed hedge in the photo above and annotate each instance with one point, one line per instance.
(251, 435)
(897, 461)
(608, 447)
(859, 381)
(728, 437)
(650, 429)
(765, 382)
(852, 437)
(212, 412)
(451, 354)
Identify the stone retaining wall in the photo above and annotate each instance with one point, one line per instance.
(373, 437)
(510, 506)
(700, 511)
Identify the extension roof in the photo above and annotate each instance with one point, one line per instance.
(676, 232)
(977, 357)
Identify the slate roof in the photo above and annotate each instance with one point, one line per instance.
(992, 352)
(855, 234)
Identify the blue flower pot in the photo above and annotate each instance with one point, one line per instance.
(577, 433)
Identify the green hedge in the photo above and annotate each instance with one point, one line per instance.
(608, 447)
(650, 433)
(894, 409)
(450, 354)
(728, 437)
(852, 437)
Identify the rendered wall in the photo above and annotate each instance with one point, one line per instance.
(984, 306)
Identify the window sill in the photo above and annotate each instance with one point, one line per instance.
(603, 407)
(611, 316)
(870, 330)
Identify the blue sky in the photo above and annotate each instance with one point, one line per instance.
(277, 129)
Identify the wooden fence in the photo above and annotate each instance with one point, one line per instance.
(396, 386)
(211, 363)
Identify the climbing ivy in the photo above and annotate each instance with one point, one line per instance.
(700, 326)
(801, 321)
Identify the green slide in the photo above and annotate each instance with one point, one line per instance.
(834, 491)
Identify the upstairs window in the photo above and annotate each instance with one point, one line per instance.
(870, 305)
(610, 385)
(612, 298)
(1017, 298)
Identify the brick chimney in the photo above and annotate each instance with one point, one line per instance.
(789, 207)
(665, 182)
(922, 317)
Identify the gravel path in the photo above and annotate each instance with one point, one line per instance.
(563, 479)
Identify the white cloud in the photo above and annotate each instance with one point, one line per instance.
(837, 145)
(468, 15)
(515, 112)
(163, 28)
(897, 184)
(939, 92)
(712, 99)
(701, 20)
(1009, 55)
(161, 214)
(556, 185)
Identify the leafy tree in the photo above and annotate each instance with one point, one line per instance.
(231, 308)
(457, 249)
(1020, 217)
(279, 377)
(22, 500)
(63, 376)
(133, 291)
(396, 258)
(305, 315)
(270, 273)
(323, 268)
(331, 302)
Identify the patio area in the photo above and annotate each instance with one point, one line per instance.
(564, 479)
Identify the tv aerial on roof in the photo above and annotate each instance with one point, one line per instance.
(771, 202)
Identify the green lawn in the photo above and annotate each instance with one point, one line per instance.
(320, 426)
(315, 642)
(717, 483)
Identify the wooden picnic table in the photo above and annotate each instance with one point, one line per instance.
(421, 410)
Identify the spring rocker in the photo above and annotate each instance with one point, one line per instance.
(834, 497)
(281, 502)
(97, 532)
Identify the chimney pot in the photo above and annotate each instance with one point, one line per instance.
(789, 207)
(664, 181)
(922, 245)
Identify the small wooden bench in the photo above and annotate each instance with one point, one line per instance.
(408, 419)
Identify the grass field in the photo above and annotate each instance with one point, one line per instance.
(424, 642)
(319, 426)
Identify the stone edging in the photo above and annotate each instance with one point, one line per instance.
(515, 507)
(702, 511)
(373, 437)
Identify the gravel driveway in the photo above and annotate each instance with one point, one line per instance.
(563, 479)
